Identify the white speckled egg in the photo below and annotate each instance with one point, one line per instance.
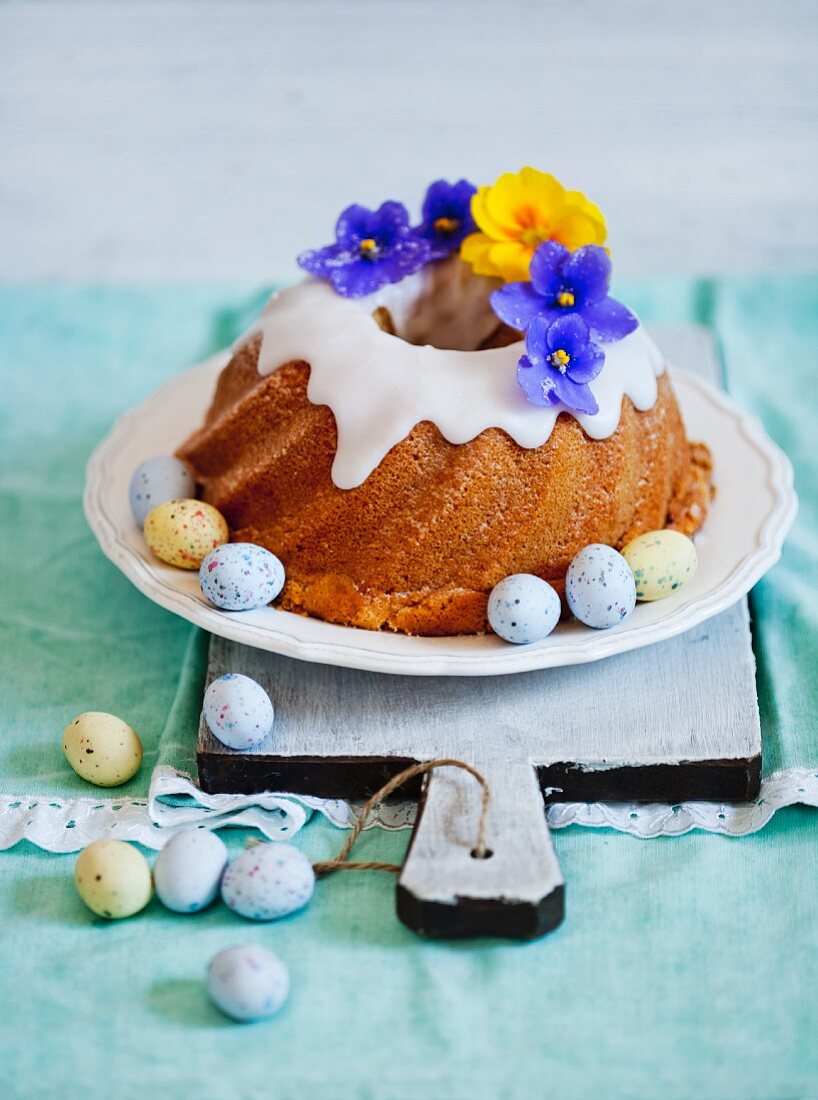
(157, 480)
(102, 748)
(240, 576)
(523, 608)
(183, 532)
(188, 870)
(662, 563)
(599, 586)
(268, 881)
(113, 879)
(238, 711)
(248, 982)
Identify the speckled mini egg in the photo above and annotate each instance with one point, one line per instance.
(599, 586)
(268, 881)
(102, 748)
(523, 608)
(113, 879)
(157, 480)
(248, 982)
(238, 711)
(183, 532)
(188, 870)
(662, 562)
(240, 576)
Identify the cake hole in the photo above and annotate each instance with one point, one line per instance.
(444, 306)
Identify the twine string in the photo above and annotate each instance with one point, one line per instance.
(341, 863)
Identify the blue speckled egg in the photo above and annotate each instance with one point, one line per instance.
(157, 480)
(523, 608)
(268, 881)
(248, 982)
(238, 711)
(240, 576)
(188, 871)
(599, 586)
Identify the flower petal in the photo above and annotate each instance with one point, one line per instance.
(568, 332)
(355, 223)
(609, 319)
(322, 261)
(536, 382)
(587, 365)
(475, 250)
(485, 221)
(575, 396)
(547, 266)
(573, 226)
(517, 303)
(357, 279)
(536, 339)
(511, 260)
(588, 272)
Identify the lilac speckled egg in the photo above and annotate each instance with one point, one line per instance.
(157, 480)
(248, 982)
(599, 586)
(238, 711)
(523, 608)
(268, 881)
(188, 871)
(240, 576)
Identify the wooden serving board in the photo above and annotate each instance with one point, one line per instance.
(674, 722)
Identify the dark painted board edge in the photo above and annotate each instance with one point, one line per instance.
(736, 780)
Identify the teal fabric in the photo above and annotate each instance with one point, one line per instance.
(685, 967)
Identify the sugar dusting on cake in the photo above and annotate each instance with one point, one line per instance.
(379, 386)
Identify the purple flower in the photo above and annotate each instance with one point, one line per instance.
(564, 283)
(372, 248)
(446, 216)
(560, 363)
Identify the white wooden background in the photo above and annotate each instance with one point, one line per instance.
(163, 141)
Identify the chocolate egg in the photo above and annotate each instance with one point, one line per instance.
(240, 576)
(113, 879)
(248, 982)
(157, 480)
(663, 562)
(102, 748)
(238, 711)
(188, 871)
(599, 586)
(268, 881)
(523, 608)
(183, 532)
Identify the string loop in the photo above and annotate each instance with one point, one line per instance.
(341, 863)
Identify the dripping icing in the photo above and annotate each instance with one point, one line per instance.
(379, 386)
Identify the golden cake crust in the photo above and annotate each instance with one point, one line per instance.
(419, 545)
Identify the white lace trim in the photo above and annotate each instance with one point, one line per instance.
(67, 826)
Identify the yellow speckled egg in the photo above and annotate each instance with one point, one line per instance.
(662, 562)
(113, 879)
(183, 532)
(102, 748)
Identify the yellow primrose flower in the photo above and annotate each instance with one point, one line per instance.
(521, 211)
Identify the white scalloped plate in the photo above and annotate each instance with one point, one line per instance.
(742, 539)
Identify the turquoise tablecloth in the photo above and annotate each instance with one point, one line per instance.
(685, 967)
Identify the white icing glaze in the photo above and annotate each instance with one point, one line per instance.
(379, 386)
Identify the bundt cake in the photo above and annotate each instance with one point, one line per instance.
(386, 445)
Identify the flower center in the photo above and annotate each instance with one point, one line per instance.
(445, 225)
(535, 235)
(560, 359)
(368, 248)
(565, 298)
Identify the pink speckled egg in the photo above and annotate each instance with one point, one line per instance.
(268, 881)
(183, 532)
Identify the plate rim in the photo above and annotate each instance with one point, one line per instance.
(340, 652)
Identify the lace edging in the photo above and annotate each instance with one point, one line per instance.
(175, 802)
